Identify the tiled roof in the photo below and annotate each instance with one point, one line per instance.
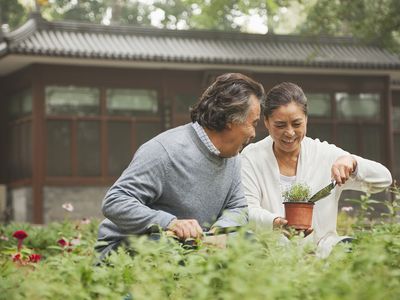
(82, 40)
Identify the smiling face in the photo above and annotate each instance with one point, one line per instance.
(287, 126)
(238, 135)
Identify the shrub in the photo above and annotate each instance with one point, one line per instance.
(298, 192)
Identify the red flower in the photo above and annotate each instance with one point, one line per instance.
(35, 257)
(62, 242)
(20, 235)
(16, 257)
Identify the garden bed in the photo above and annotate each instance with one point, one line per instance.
(255, 267)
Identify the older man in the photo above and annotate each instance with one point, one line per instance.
(187, 179)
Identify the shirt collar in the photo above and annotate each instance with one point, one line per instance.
(205, 139)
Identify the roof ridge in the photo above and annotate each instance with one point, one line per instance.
(126, 42)
(37, 22)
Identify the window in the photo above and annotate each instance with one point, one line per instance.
(145, 131)
(396, 117)
(183, 102)
(362, 106)
(20, 104)
(396, 112)
(320, 131)
(131, 102)
(319, 105)
(88, 148)
(355, 125)
(371, 142)
(347, 138)
(396, 132)
(71, 100)
(397, 159)
(77, 129)
(180, 108)
(20, 135)
(20, 149)
(119, 143)
(59, 148)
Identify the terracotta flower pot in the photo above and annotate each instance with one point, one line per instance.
(299, 214)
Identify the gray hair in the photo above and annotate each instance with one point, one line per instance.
(227, 100)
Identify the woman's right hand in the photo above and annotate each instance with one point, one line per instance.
(279, 222)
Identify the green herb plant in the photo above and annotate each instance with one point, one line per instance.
(364, 216)
(392, 205)
(299, 192)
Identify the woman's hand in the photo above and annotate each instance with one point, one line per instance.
(342, 168)
(279, 222)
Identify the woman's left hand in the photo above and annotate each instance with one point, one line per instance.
(342, 168)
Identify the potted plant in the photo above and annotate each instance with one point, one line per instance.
(298, 210)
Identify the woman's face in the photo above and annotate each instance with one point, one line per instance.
(287, 126)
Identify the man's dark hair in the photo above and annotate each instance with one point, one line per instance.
(226, 100)
(282, 94)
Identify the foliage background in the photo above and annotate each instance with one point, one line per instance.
(368, 20)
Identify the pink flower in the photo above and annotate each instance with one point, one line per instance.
(68, 207)
(347, 209)
(34, 258)
(3, 237)
(20, 235)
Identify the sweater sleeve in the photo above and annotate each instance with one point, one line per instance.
(260, 216)
(127, 202)
(371, 177)
(235, 212)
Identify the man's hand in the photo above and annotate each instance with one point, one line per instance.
(186, 228)
(342, 168)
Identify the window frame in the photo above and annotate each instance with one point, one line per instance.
(335, 121)
(103, 118)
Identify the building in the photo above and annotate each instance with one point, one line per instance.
(78, 99)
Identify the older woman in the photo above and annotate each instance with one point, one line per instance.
(287, 156)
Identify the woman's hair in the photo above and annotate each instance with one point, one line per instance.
(226, 100)
(283, 94)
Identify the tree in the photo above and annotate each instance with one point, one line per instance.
(12, 13)
(373, 21)
(369, 20)
(183, 14)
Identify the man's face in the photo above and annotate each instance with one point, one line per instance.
(239, 135)
(287, 126)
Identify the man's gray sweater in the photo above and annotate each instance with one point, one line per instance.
(174, 175)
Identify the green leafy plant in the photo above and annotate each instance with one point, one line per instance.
(299, 192)
(393, 205)
(364, 216)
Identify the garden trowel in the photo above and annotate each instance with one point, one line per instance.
(322, 193)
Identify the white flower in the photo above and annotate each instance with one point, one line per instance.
(347, 208)
(75, 242)
(68, 207)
